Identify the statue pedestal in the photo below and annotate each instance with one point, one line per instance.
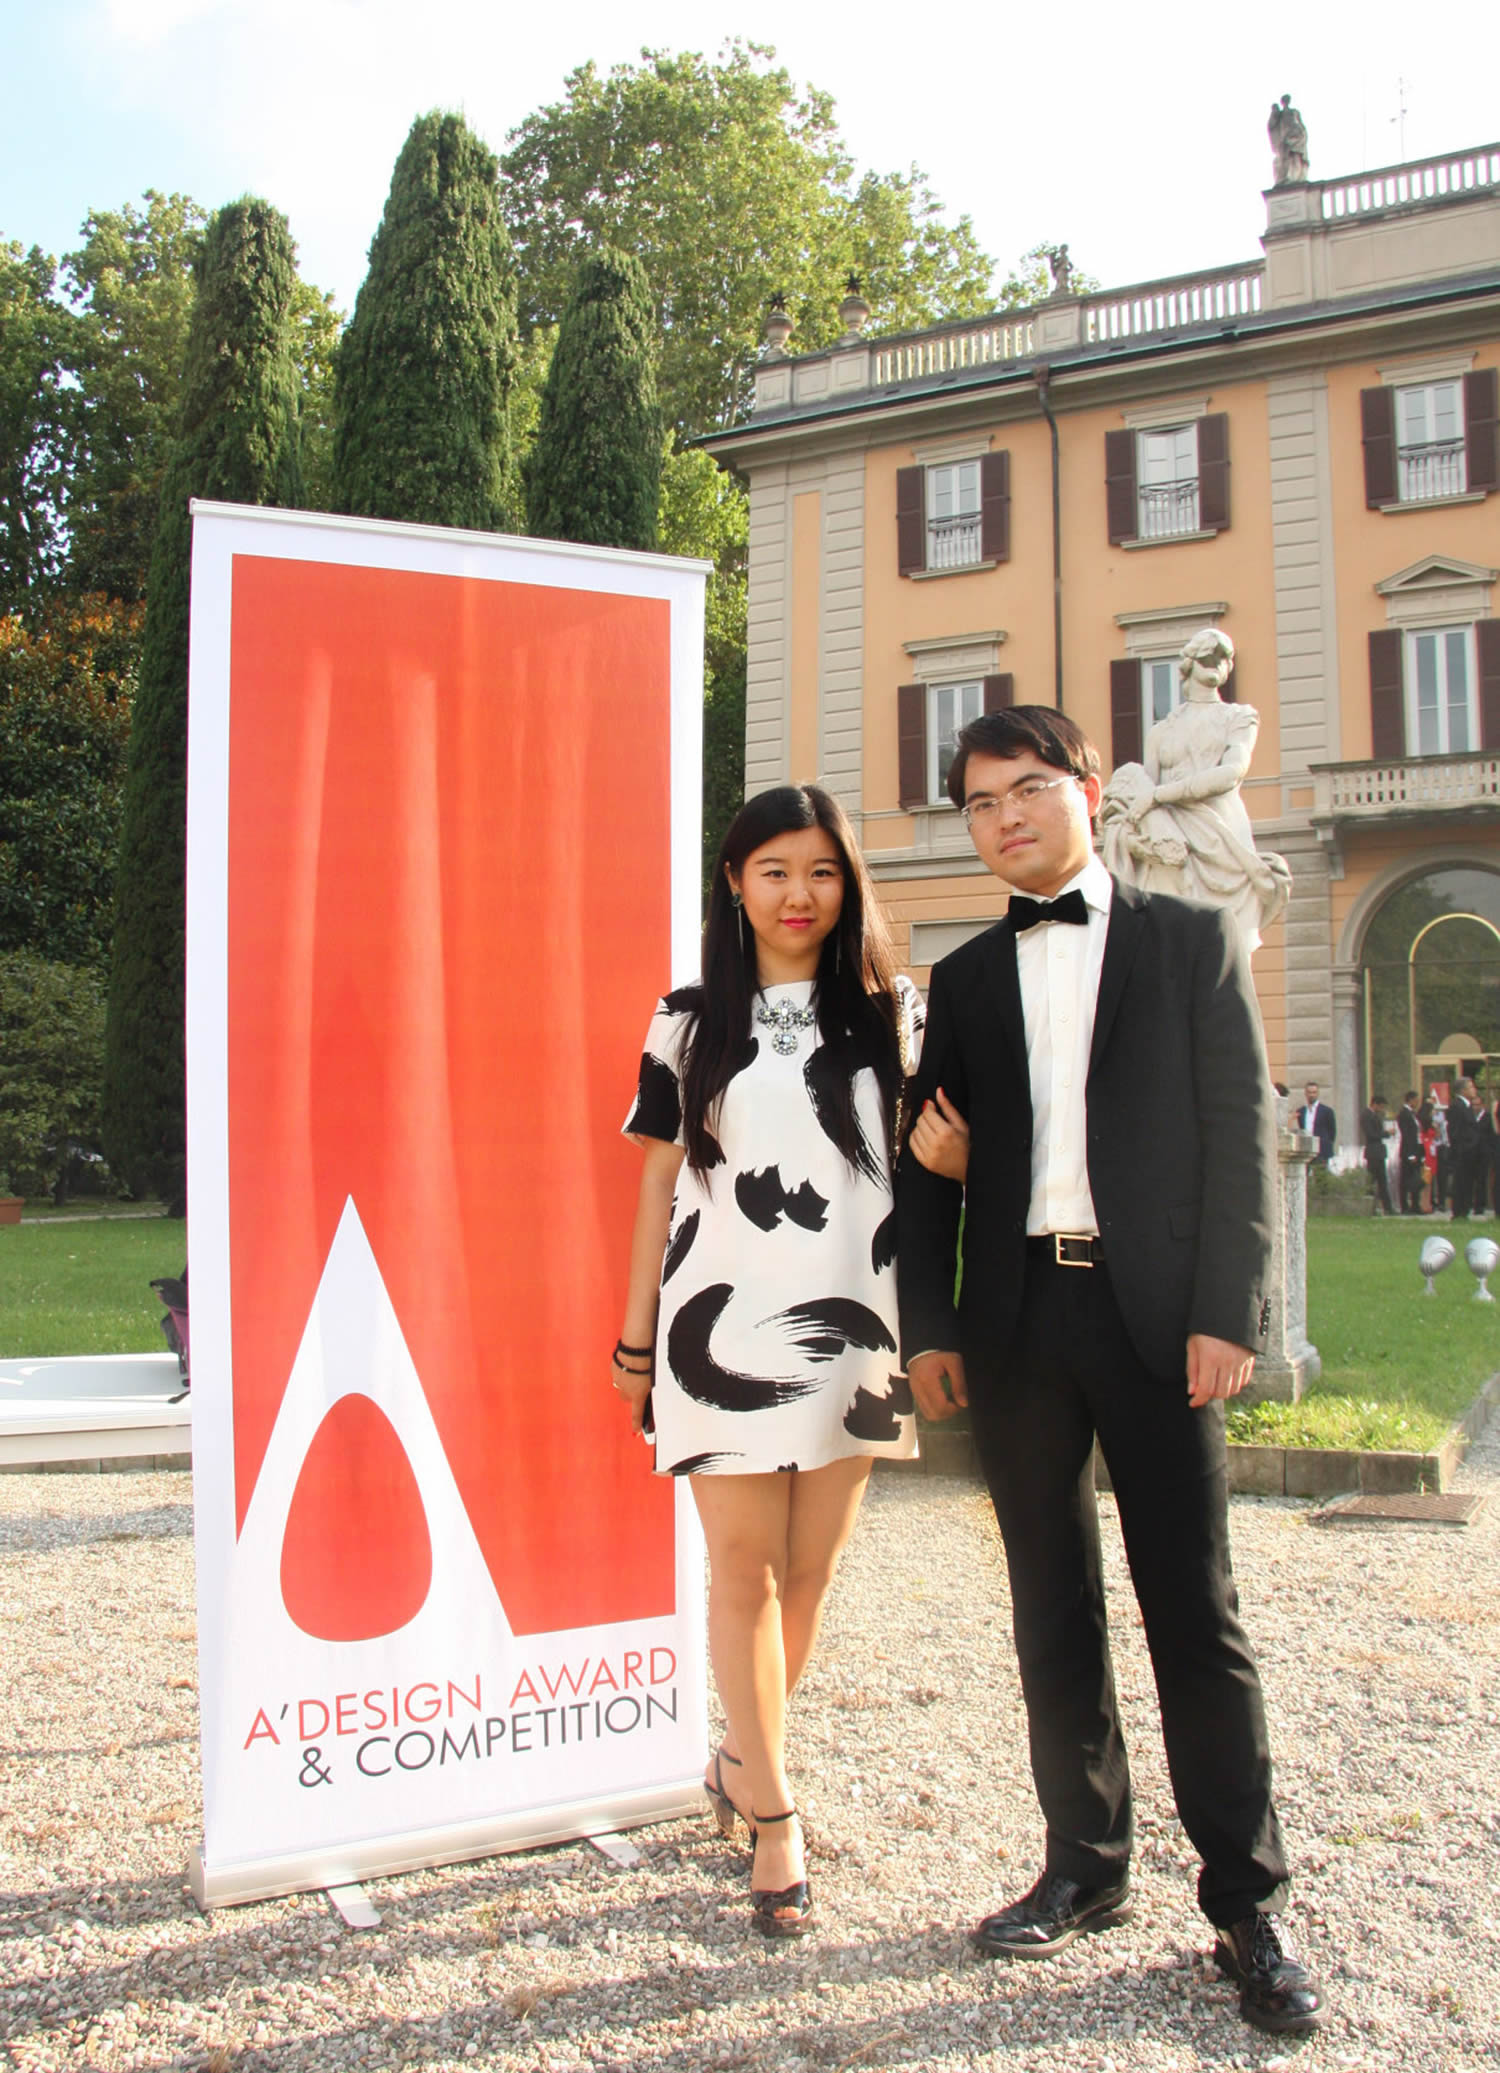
(1290, 1361)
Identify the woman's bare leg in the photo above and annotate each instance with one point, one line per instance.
(825, 1505)
(745, 1520)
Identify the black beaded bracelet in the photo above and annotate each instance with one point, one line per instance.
(636, 1352)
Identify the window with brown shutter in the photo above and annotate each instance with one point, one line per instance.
(1377, 426)
(994, 507)
(1124, 709)
(1387, 701)
(1119, 485)
(911, 520)
(1000, 691)
(1487, 641)
(1213, 472)
(1481, 433)
(911, 744)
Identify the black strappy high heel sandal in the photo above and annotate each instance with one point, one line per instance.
(726, 1813)
(789, 1912)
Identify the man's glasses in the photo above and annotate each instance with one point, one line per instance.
(987, 812)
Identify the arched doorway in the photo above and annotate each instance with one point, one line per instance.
(1431, 980)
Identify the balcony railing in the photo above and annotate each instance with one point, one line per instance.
(942, 352)
(953, 543)
(1435, 469)
(1422, 180)
(1167, 509)
(1174, 304)
(1414, 785)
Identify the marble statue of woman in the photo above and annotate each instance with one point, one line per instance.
(1176, 822)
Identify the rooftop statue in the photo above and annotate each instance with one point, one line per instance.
(1175, 823)
(1288, 134)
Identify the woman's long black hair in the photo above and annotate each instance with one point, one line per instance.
(856, 997)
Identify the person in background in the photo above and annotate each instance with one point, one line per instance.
(1318, 1120)
(1409, 1128)
(1372, 1128)
(1484, 1153)
(1463, 1147)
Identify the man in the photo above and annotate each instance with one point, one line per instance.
(1318, 1120)
(1372, 1135)
(1117, 1239)
(1409, 1127)
(1463, 1147)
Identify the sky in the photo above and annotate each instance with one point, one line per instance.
(1137, 136)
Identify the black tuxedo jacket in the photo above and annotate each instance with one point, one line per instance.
(1462, 1125)
(1180, 1141)
(1411, 1133)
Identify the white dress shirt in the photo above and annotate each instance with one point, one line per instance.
(1059, 965)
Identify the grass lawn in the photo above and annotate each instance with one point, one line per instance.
(85, 1287)
(1398, 1366)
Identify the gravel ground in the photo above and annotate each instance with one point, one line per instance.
(1378, 1647)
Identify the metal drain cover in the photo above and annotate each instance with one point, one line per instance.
(1411, 1508)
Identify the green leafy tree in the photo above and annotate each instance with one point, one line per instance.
(51, 1058)
(1030, 280)
(318, 326)
(131, 283)
(705, 511)
(729, 185)
(237, 440)
(66, 689)
(423, 369)
(595, 471)
(38, 426)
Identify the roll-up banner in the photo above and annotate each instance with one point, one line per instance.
(443, 836)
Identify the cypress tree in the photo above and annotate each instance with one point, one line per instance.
(236, 441)
(424, 367)
(594, 473)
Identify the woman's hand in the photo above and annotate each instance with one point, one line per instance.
(940, 1139)
(633, 1383)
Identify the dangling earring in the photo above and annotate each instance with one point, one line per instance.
(737, 901)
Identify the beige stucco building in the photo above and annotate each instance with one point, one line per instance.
(1041, 506)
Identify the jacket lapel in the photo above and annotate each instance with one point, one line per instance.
(1003, 979)
(1123, 940)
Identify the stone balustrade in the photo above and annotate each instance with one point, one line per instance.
(1419, 181)
(1416, 784)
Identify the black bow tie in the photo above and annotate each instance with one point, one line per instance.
(1026, 913)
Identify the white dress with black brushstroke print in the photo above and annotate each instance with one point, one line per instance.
(776, 1343)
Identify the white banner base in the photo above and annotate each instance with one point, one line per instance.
(531, 1828)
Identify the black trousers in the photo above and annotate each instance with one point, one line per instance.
(1070, 1373)
(1377, 1168)
(1411, 1185)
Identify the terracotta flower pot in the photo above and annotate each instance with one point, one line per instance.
(10, 1208)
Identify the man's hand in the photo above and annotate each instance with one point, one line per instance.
(1216, 1367)
(937, 1383)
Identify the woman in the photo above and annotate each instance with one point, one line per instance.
(761, 1314)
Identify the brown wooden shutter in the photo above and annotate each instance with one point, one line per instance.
(1000, 690)
(1387, 700)
(1119, 485)
(911, 744)
(1481, 432)
(994, 507)
(1377, 427)
(1213, 472)
(911, 520)
(1487, 641)
(1124, 709)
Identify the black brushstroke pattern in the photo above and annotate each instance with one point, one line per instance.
(744, 1057)
(765, 1199)
(903, 1403)
(679, 1247)
(822, 1330)
(699, 1464)
(658, 1104)
(700, 1375)
(683, 998)
(883, 1244)
(872, 1417)
(787, 1468)
(821, 1075)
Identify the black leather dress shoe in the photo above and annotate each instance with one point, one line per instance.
(1277, 1992)
(1046, 1920)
